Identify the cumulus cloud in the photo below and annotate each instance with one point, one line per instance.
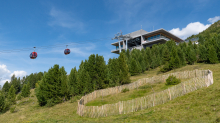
(5, 74)
(190, 29)
(3, 69)
(19, 73)
(213, 20)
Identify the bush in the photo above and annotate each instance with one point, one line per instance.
(50, 103)
(125, 90)
(2, 103)
(19, 97)
(74, 99)
(12, 109)
(172, 80)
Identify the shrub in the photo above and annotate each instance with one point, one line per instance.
(50, 103)
(74, 99)
(125, 90)
(19, 97)
(12, 109)
(172, 80)
(2, 103)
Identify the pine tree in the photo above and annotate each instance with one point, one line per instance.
(134, 70)
(15, 83)
(28, 89)
(49, 89)
(41, 91)
(191, 56)
(181, 57)
(124, 77)
(91, 68)
(100, 68)
(11, 95)
(64, 86)
(149, 58)
(24, 91)
(2, 102)
(213, 59)
(83, 77)
(143, 60)
(202, 53)
(113, 69)
(6, 88)
(153, 61)
(165, 54)
(174, 61)
(72, 82)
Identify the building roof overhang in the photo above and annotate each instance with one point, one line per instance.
(163, 31)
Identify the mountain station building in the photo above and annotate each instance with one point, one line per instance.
(142, 39)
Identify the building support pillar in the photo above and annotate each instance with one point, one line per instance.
(119, 46)
(126, 45)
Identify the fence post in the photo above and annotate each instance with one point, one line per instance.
(169, 93)
(195, 84)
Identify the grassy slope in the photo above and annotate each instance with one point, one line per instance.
(200, 106)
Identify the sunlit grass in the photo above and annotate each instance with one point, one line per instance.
(201, 106)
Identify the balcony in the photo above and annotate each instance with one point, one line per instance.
(155, 39)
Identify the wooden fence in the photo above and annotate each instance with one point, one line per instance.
(200, 78)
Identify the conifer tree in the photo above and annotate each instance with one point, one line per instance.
(91, 68)
(49, 89)
(202, 53)
(64, 85)
(101, 71)
(174, 61)
(28, 89)
(2, 102)
(84, 78)
(41, 91)
(143, 57)
(23, 91)
(14, 82)
(124, 77)
(134, 70)
(113, 68)
(166, 55)
(213, 59)
(6, 88)
(11, 95)
(149, 58)
(72, 82)
(181, 56)
(191, 56)
(153, 61)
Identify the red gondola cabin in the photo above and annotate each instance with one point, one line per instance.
(33, 55)
(67, 51)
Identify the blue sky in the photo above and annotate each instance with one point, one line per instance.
(87, 26)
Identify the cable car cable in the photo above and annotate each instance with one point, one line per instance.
(51, 46)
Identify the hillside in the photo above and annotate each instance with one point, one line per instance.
(214, 28)
(202, 105)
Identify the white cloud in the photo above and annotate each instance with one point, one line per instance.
(3, 70)
(63, 19)
(190, 29)
(19, 73)
(213, 20)
(5, 74)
